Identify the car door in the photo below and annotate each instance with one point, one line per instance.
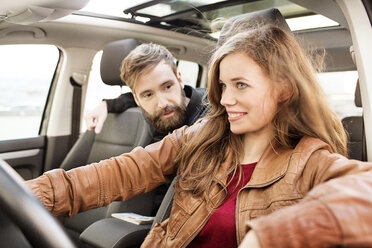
(27, 72)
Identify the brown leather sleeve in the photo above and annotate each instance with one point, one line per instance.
(117, 178)
(333, 213)
(325, 166)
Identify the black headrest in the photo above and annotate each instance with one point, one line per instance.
(357, 96)
(251, 20)
(112, 56)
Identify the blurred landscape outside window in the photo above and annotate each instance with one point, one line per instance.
(339, 88)
(26, 73)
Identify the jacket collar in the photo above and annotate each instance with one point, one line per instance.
(274, 162)
(272, 166)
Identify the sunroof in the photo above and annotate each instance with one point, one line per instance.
(310, 22)
(110, 7)
(171, 7)
(198, 17)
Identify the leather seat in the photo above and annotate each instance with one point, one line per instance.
(354, 126)
(120, 133)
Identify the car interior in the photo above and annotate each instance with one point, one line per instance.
(121, 133)
(88, 46)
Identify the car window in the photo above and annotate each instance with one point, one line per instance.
(340, 88)
(26, 74)
(189, 72)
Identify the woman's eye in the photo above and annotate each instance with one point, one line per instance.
(241, 85)
(222, 86)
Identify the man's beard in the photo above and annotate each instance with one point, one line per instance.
(169, 124)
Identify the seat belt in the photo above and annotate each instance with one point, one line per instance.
(76, 80)
(166, 205)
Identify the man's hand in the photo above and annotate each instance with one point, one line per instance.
(96, 117)
(250, 240)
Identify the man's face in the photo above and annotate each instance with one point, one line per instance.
(159, 93)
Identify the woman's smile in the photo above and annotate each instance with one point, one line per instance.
(234, 116)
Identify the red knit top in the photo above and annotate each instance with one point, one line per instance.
(220, 231)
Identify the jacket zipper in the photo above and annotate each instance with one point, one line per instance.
(237, 200)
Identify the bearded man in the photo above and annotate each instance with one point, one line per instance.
(157, 88)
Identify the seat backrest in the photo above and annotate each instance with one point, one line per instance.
(354, 126)
(120, 133)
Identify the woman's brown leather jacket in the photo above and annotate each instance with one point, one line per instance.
(336, 211)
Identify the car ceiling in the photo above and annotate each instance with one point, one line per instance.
(93, 33)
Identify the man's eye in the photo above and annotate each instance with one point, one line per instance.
(147, 95)
(168, 86)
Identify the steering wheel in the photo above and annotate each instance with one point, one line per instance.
(39, 227)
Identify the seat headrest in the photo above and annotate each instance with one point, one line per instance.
(251, 20)
(357, 96)
(112, 57)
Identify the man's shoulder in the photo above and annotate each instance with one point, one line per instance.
(201, 90)
(190, 91)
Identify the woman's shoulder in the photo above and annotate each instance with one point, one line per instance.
(319, 156)
(309, 148)
(310, 144)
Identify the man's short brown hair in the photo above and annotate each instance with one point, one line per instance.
(143, 58)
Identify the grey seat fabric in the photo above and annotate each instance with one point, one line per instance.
(354, 126)
(120, 133)
(112, 56)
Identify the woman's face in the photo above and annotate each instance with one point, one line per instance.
(247, 95)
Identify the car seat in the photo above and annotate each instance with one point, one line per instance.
(120, 133)
(354, 126)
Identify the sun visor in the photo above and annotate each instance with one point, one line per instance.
(32, 11)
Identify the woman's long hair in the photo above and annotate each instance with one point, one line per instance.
(303, 112)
